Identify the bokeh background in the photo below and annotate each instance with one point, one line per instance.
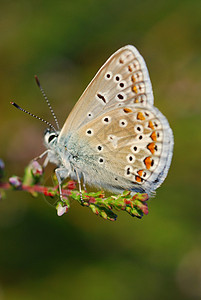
(79, 255)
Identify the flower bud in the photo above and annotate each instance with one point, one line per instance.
(15, 182)
(36, 169)
(61, 210)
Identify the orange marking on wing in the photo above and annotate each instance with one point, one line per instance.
(140, 116)
(151, 147)
(134, 88)
(127, 110)
(151, 125)
(138, 178)
(148, 162)
(153, 136)
(133, 78)
(140, 172)
(129, 69)
(136, 100)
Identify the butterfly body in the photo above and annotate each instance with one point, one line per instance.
(115, 138)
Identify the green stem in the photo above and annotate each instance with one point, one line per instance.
(135, 205)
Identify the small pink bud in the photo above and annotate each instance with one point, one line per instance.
(36, 169)
(61, 210)
(16, 182)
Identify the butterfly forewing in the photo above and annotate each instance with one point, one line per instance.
(123, 79)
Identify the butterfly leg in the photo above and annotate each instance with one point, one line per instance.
(41, 156)
(47, 159)
(45, 162)
(61, 174)
(84, 186)
(80, 187)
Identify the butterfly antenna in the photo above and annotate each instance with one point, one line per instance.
(47, 101)
(32, 115)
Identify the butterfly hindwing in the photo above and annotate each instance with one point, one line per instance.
(131, 147)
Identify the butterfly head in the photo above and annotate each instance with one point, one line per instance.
(50, 138)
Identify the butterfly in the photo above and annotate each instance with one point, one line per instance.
(114, 138)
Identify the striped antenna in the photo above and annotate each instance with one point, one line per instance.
(47, 101)
(32, 115)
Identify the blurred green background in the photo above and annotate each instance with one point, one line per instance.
(79, 255)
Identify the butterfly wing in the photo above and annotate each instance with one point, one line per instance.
(127, 148)
(123, 79)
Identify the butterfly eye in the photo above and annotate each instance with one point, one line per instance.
(51, 137)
